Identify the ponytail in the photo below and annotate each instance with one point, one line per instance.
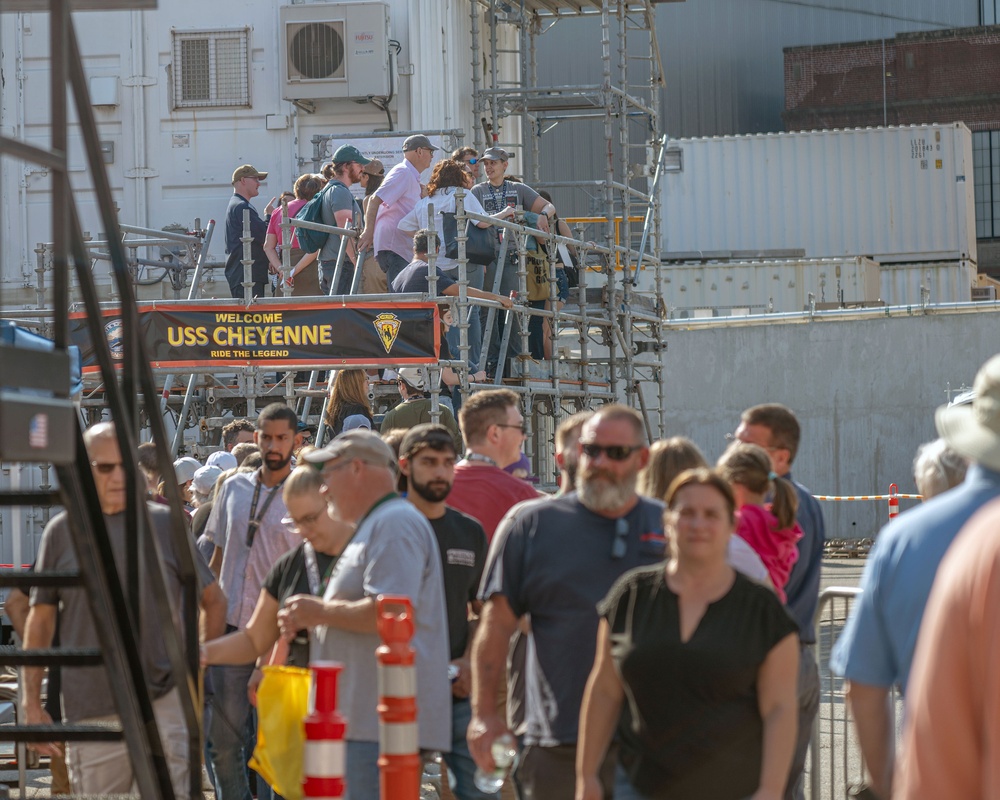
(785, 504)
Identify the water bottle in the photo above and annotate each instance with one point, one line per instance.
(504, 751)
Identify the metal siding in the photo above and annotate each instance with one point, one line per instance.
(948, 282)
(832, 194)
(723, 66)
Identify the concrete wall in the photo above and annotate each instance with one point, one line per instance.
(864, 390)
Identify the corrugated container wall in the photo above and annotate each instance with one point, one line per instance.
(891, 194)
(723, 65)
(782, 286)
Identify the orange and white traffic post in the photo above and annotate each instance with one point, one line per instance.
(893, 501)
(399, 760)
(325, 758)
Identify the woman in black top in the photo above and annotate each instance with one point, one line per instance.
(304, 570)
(707, 661)
(349, 401)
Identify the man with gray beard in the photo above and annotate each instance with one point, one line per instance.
(555, 560)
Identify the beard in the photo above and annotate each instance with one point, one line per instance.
(601, 491)
(431, 492)
(275, 462)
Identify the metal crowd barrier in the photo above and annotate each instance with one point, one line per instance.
(835, 764)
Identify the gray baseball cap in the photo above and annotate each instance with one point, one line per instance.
(417, 141)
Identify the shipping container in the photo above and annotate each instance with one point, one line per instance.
(787, 285)
(945, 282)
(895, 195)
(757, 287)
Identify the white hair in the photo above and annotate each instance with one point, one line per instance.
(937, 468)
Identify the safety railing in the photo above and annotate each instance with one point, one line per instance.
(835, 763)
(835, 757)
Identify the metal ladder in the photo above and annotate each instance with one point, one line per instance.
(111, 596)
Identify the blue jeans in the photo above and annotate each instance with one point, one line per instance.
(362, 771)
(327, 268)
(459, 760)
(475, 274)
(624, 790)
(392, 264)
(227, 734)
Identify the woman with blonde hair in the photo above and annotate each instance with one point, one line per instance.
(349, 406)
(769, 528)
(668, 458)
(708, 660)
(304, 570)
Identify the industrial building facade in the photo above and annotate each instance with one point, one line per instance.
(913, 78)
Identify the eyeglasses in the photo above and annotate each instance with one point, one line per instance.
(308, 520)
(520, 427)
(616, 452)
(106, 467)
(732, 437)
(619, 547)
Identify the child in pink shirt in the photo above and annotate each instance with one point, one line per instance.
(769, 528)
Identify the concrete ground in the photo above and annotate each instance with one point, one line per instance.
(840, 763)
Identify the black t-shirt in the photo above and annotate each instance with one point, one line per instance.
(349, 410)
(462, 543)
(289, 576)
(690, 726)
(200, 518)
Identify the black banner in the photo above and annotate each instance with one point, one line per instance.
(176, 336)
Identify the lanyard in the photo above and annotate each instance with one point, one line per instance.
(470, 456)
(255, 518)
(335, 567)
(316, 585)
(498, 204)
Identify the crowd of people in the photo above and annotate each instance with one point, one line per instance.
(645, 632)
(396, 235)
(296, 543)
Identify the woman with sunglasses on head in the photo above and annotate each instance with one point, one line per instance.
(469, 159)
(708, 660)
(304, 570)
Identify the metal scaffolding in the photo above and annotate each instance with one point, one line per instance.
(621, 325)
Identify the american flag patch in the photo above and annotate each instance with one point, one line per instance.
(38, 431)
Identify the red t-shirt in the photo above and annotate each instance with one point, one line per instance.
(758, 527)
(486, 493)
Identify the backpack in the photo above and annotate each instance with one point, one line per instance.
(309, 240)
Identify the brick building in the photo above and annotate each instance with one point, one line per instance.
(913, 78)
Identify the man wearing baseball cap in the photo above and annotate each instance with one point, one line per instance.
(415, 404)
(875, 650)
(246, 186)
(427, 458)
(392, 201)
(495, 193)
(392, 552)
(341, 210)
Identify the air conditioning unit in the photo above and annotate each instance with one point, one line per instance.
(334, 50)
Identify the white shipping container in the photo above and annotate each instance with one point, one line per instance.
(763, 286)
(947, 282)
(892, 194)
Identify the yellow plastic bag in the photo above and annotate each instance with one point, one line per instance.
(282, 705)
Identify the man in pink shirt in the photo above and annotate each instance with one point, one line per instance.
(493, 428)
(393, 200)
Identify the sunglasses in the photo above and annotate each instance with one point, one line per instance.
(472, 161)
(106, 467)
(520, 427)
(619, 546)
(616, 452)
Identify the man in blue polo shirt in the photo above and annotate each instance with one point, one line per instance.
(775, 428)
(875, 650)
